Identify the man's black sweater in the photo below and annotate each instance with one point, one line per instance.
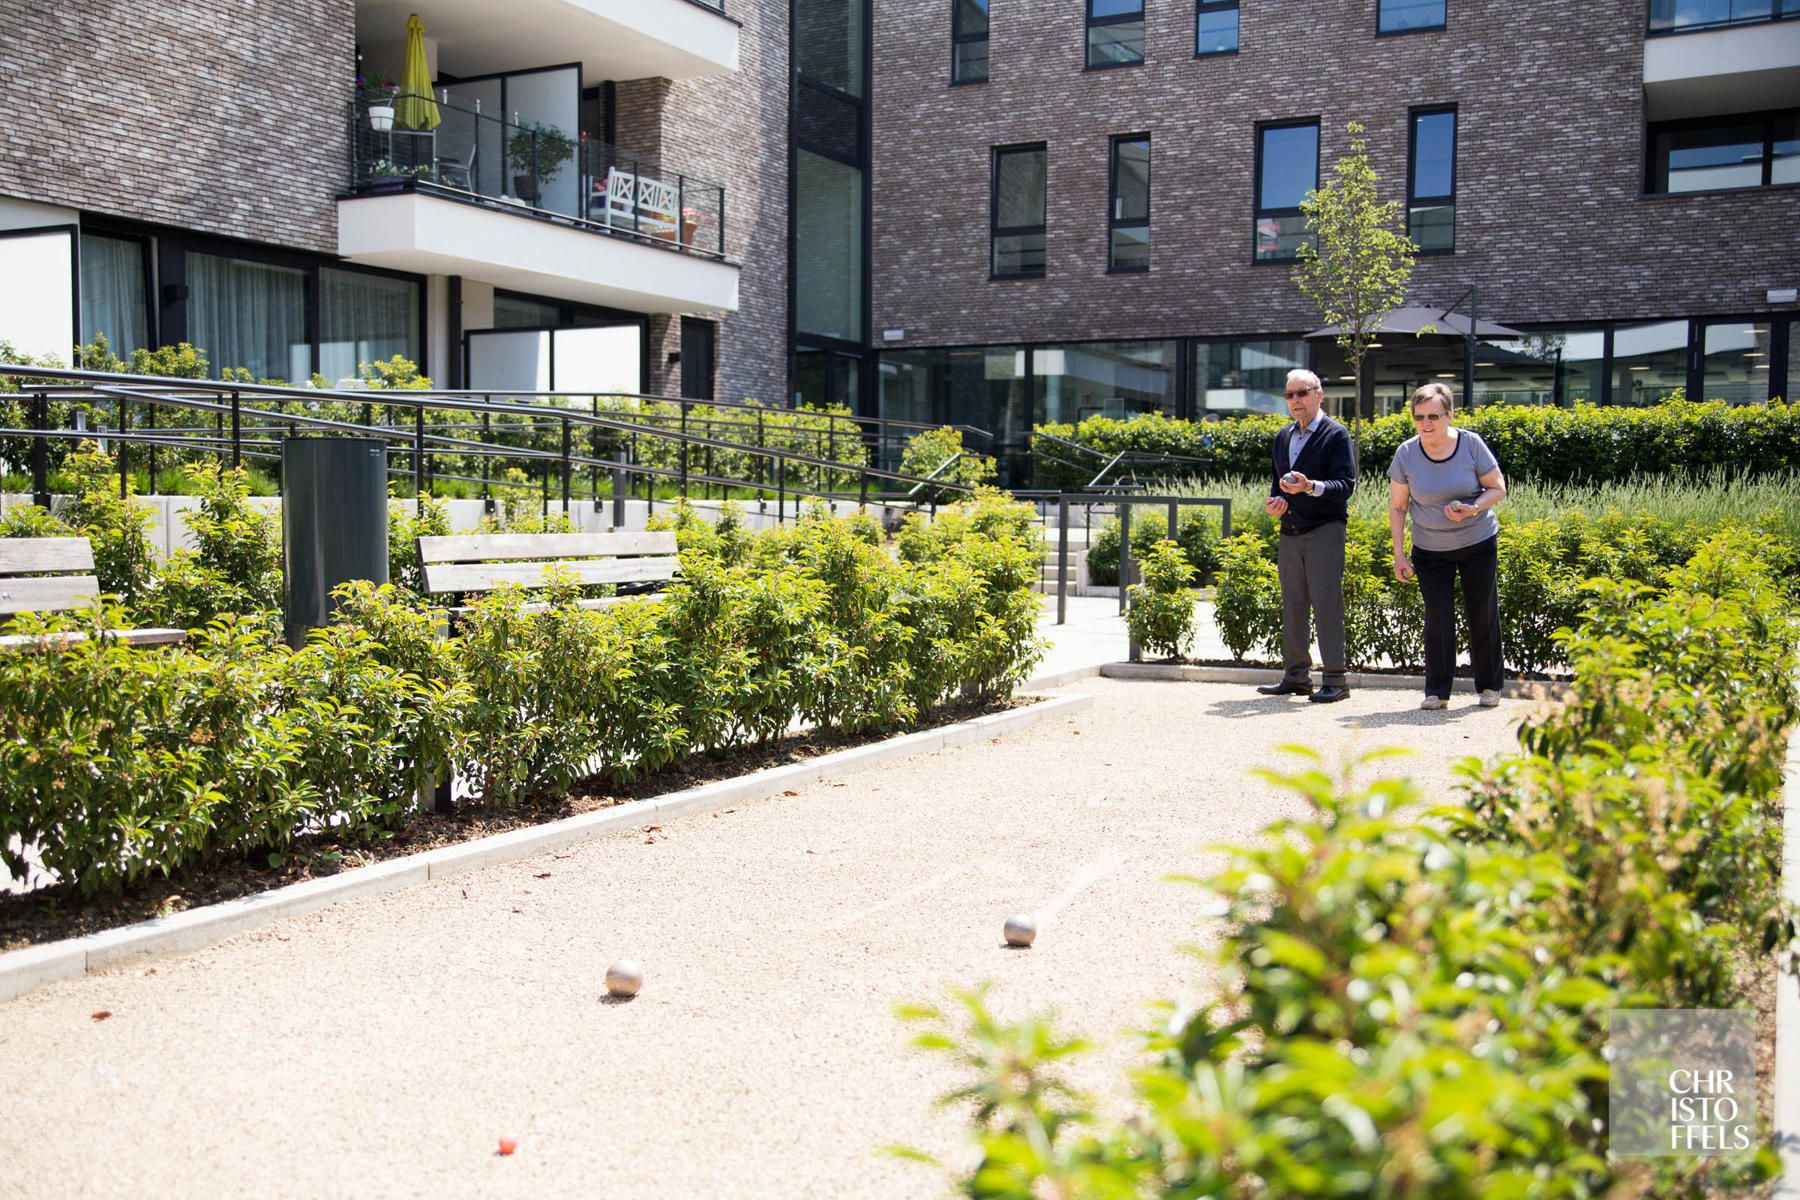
(1326, 459)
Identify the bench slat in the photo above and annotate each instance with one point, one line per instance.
(50, 594)
(514, 547)
(21, 555)
(481, 577)
(131, 637)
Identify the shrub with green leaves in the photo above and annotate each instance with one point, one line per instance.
(1161, 614)
(939, 454)
(1247, 593)
(235, 565)
(1196, 532)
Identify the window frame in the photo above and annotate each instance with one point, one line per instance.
(1767, 117)
(1412, 196)
(996, 230)
(958, 38)
(1201, 7)
(1113, 220)
(1257, 212)
(1092, 22)
(1385, 33)
(1650, 29)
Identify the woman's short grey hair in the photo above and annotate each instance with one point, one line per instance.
(1305, 376)
(1433, 391)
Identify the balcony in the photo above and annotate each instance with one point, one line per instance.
(530, 207)
(1703, 58)
(612, 39)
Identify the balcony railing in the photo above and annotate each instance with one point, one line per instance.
(1692, 16)
(533, 169)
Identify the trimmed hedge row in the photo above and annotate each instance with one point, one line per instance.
(1416, 1003)
(1586, 443)
(121, 764)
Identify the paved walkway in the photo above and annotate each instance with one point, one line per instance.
(380, 1048)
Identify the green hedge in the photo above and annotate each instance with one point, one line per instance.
(121, 764)
(1415, 1003)
(1581, 444)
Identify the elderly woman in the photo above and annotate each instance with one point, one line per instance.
(1448, 481)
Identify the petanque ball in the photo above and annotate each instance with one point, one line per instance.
(1020, 931)
(624, 978)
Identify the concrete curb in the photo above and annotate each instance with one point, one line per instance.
(1515, 689)
(1787, 994)
(22, 970)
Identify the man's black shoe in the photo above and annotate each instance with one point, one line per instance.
(1330, 695)
(1284, 688)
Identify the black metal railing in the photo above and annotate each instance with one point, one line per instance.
(1694, 16)
(530, 168)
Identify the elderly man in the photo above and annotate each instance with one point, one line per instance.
(1315, 470)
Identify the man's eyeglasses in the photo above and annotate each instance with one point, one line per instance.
(1417, 417)
(1298, 394)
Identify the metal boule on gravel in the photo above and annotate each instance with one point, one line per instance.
(624, 978)
(1020, 931)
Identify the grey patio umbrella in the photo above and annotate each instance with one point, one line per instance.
(1412, 318)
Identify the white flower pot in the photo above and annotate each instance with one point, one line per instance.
(381, 117)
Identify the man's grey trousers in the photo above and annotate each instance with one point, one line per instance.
(1312, 589)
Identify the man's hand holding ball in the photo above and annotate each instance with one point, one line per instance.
(1294, 483)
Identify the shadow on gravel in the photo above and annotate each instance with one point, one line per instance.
(1412, 716)
(1255, 706)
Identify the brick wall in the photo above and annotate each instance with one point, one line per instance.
(730, 129)
(1551, 222)
(216, 115)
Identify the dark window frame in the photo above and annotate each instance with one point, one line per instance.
(996, 230)
(1092, 23)
(1767, 117)
(1651, 29)
(1386, 33)
(1412, 143)
(1257, 212)
(1113, 220)
(1201, 7)
(959, 38)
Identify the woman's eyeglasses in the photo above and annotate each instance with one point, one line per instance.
(1417, 417)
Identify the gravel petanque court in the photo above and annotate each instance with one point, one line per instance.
(384, 1047)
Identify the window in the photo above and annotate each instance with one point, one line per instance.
(1216, 27)
(828, 247)
(1241, 377)
(1287, 167)
(1017, 235)
(1431, 182)
(1409, 16)
(968, 41)
(1129, 217)
(828, 43)
(1715, 153)
(114, 293)
(1648, 361)
(1680, 16)
(983, 386)
(250, 315)
(363, 318)
(1107, 379)
(1115, 33)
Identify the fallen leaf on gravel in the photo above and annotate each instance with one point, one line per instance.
(790, 792)
(651, 828)
(545, 875)
(520, 911)
(102, 1014)
(465, 893)
(507, 1146)
(1076, 732)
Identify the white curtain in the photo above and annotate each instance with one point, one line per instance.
(251, 315)
(113, 293)
(363, 318)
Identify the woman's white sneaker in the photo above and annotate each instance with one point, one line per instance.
(1432, 702)
(1489, 699)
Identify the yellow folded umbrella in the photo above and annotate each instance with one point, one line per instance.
(415, 109)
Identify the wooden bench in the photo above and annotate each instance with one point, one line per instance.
(483, 562)
(55, 574)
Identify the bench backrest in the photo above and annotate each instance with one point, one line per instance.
(62, 570)
(482, 562)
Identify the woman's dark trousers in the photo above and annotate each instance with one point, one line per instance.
(1437, 570)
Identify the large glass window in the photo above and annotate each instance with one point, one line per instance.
(1546, 366)
(981, 386)
(828, 42)
(114, 293)
(1247, 376)
(363, 318)
(1408, 16)
(249, 315)
(1680, 16)
(1216, 27)
(1734, 364)
(1129, 219)
(1745, 151)
(1115, 33)
(1102, 379)
(969, 41)
(1431, 182)
(1287, 167)
(828, 247)
(525, 312)
(37, 292)
(1017, 234)
(1649, 361)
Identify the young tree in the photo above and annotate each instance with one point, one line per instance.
(1357, 274)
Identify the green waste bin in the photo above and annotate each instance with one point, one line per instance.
(333, 523)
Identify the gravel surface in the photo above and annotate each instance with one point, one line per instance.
(384, 1046)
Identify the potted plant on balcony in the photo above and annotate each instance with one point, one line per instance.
(377, 93)
(385, 175)
(543, 147)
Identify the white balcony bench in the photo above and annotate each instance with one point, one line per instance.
(483, 562)
(641, 204)
(55, 574)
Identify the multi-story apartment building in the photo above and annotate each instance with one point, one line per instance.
(589, 195)
(1088, 206)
